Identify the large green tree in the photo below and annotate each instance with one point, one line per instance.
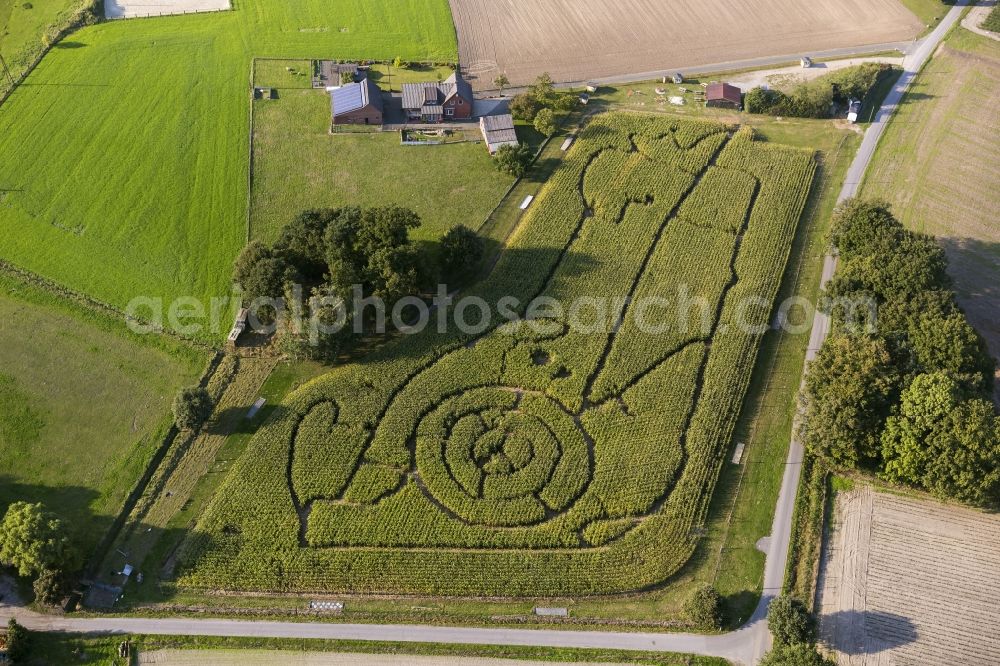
(790, 621)
(849, 391)
(372, 247)
(302, 242)
(260, 272)
(513, 160)
(950, 344)
(461, 252)
(192, 407)
(942, 443)
(33, 540)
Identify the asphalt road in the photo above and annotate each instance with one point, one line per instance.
(745, 645)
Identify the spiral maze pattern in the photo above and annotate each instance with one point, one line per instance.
(502, 457)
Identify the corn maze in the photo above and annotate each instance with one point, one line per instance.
(536, 457)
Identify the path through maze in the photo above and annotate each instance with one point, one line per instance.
(565, 452)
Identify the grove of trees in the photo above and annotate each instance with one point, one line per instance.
(907, 393)
(325, 254)
(815, 99)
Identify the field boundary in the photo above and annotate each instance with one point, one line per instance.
(92, 303)
(84, 16)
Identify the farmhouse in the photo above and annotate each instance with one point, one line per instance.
(357, 104)
(723, 96)
(498, 131)
(433, 102)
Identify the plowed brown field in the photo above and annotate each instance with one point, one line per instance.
(577, 40)
(909, 581)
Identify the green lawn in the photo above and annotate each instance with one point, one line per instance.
(929, 11)
(83, 405)
(125, 151)
(391, 79)
(299, 165)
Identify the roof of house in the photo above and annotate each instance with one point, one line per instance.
(434, 93)
(499, 129)
(355, 96)
(724, 91)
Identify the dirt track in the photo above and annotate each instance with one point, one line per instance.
(910, 582)
(576, 40)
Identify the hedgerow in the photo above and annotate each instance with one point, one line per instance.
(539, 457)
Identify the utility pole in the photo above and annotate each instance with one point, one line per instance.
(6, 70)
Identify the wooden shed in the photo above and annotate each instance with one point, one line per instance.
(723, 96)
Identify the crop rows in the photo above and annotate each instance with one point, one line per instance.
(544, 456)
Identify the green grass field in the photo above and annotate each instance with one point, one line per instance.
(83, 405)
(24, 24)
(929, 11)
(300, 165)
(530, 462)
(125, 151)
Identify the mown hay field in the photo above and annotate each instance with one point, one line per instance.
(539, 457)
(938, 165)
(126, 155)
(578, 40)
(298, 165)
(70, 376)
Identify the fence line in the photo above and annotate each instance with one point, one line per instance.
(174, 12)
(253, 81)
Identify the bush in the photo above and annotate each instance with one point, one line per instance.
(192, 407)
(759, 100)
(795, 655)
(18, 642)
(524, 107)
(704, 608)
(50, 587)
(545, 122)
(791, 622)
(513, 160)
(461, 252)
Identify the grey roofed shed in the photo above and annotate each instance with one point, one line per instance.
(355, 96)
(498, 131)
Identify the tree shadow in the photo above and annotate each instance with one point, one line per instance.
(860, 633)
(72, 504)
(69, 45)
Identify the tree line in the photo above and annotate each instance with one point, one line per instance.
(906, 394)
(816, 99)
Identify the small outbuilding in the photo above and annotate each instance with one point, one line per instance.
(678, 78)
(498, 131)
(357, 104)
(723, 96)
(806, 62)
